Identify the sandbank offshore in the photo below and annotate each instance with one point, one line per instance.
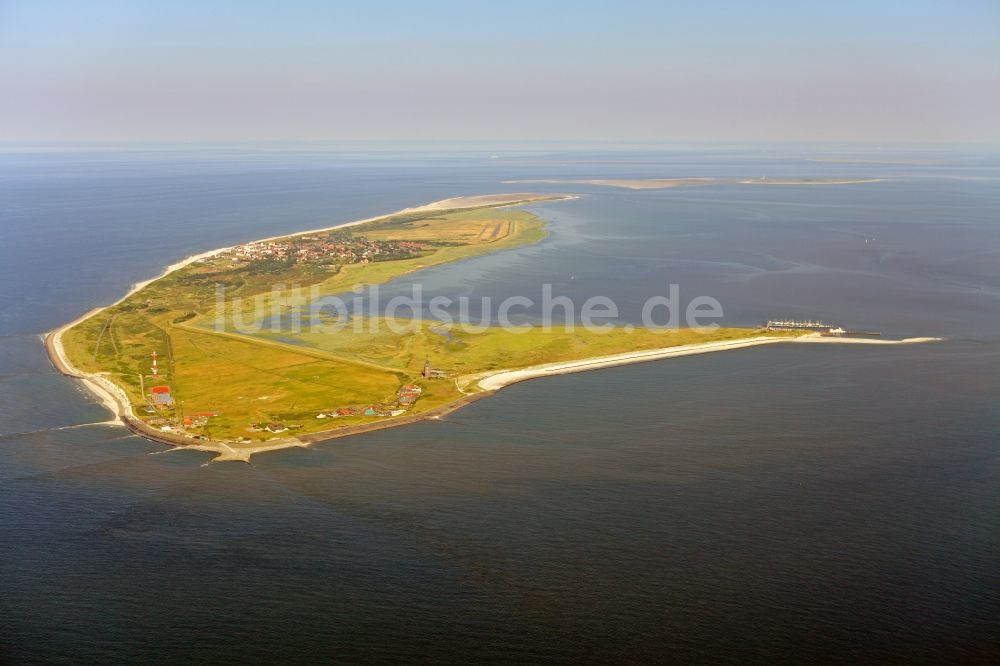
(670, 183)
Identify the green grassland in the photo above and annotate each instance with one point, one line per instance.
(259, 379)
(460, 352)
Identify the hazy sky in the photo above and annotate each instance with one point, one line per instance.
(872, 70)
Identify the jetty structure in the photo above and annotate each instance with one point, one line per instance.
(815, 326)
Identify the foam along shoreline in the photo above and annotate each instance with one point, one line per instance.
(498, 380)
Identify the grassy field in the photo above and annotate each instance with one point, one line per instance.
(291, 378)
(458, 352)
(246, 381)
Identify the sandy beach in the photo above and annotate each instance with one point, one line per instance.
(503, 378)
(822, 339)
(106, 391)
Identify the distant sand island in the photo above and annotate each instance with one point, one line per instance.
(159, 359)
(630, 183)
(808, 181)
(862, 160)
(666, 183)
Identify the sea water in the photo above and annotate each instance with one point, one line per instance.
(787, 501)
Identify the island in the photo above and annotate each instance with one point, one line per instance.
(763, 180)
(631, 183)
(670, 183)
(189, 360)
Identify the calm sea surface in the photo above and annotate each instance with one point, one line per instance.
(784, 503)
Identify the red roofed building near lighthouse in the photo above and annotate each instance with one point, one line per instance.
(161, 395)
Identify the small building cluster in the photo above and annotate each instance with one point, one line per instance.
(271, 426)
(409, 394)
(198, 420)
(405, 397)
(332, 247)
(160, 411)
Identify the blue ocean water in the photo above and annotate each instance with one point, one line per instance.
(779, 503)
